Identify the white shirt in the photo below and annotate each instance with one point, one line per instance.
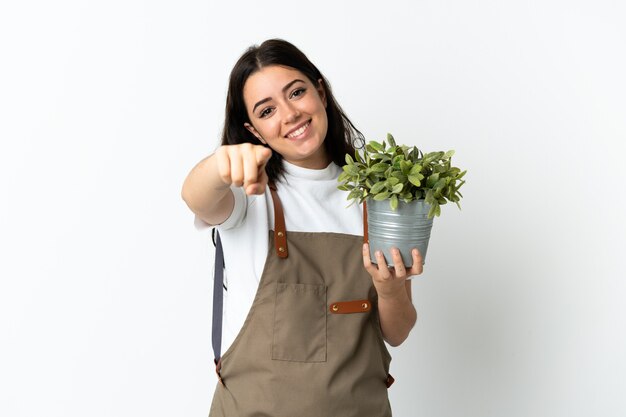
(311, 203)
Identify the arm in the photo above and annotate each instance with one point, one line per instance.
(206, 189)
(395, 305)
(397, 315)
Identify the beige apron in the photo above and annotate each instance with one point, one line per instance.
(311, 345)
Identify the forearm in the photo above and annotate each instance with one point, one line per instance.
(397, 315)
(203, 189)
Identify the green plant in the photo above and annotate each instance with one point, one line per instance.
(398, 172)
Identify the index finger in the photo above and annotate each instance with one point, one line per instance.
(367, 262)
(262, 155)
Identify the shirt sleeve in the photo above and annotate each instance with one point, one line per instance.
(236, 217)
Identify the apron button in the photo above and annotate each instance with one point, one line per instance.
(281, 249)
(364, 305)
(335, 307)
(280, 234)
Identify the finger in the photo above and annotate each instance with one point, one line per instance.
(259, 186)
(252, 189)
(255, 184)
(382, 265)
(263, 155)
(236, 167)
(367, 262)
(250, 169)
(418, 262)
(223, 166)
(398, 264)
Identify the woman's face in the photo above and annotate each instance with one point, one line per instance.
(288, 113)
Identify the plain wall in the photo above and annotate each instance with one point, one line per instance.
(105, 290)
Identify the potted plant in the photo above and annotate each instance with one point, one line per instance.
(403, 189)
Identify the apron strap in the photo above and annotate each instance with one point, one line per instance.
(218, 303)
(280, 231)
(280, 239)
(366, 238)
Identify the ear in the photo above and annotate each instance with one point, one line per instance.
(252, 130)
(321, 91)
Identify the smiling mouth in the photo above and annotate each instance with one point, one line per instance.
(299, 132)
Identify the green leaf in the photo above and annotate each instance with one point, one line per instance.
(381, 157)
(430, 197)
(414, 179)
(377, 146)
(349, 159)
(440, 169)
(400, 176)
(378, 187)
(354, 193)
(390, 139)
(435, 210)
(351, 169)
(394, 201)
(397, 160)
(382, 196)
(448, 154)
(416, 169)
(430, 182)
(397, 188)
(405, 167)
(431, 212)
(391, 181)
(414, 154)
(380, 167)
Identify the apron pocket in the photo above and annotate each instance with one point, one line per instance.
(300, 323)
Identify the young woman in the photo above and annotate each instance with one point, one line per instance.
(305, 310)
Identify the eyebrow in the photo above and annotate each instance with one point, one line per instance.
(285, 88)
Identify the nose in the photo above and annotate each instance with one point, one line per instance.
(291, 113)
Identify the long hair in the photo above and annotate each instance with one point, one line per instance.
(341, 138)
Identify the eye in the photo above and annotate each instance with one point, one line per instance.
(298, 92)
(265, 112)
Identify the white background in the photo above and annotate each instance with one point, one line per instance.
(106, 106)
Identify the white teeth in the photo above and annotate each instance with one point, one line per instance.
(299, 131)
